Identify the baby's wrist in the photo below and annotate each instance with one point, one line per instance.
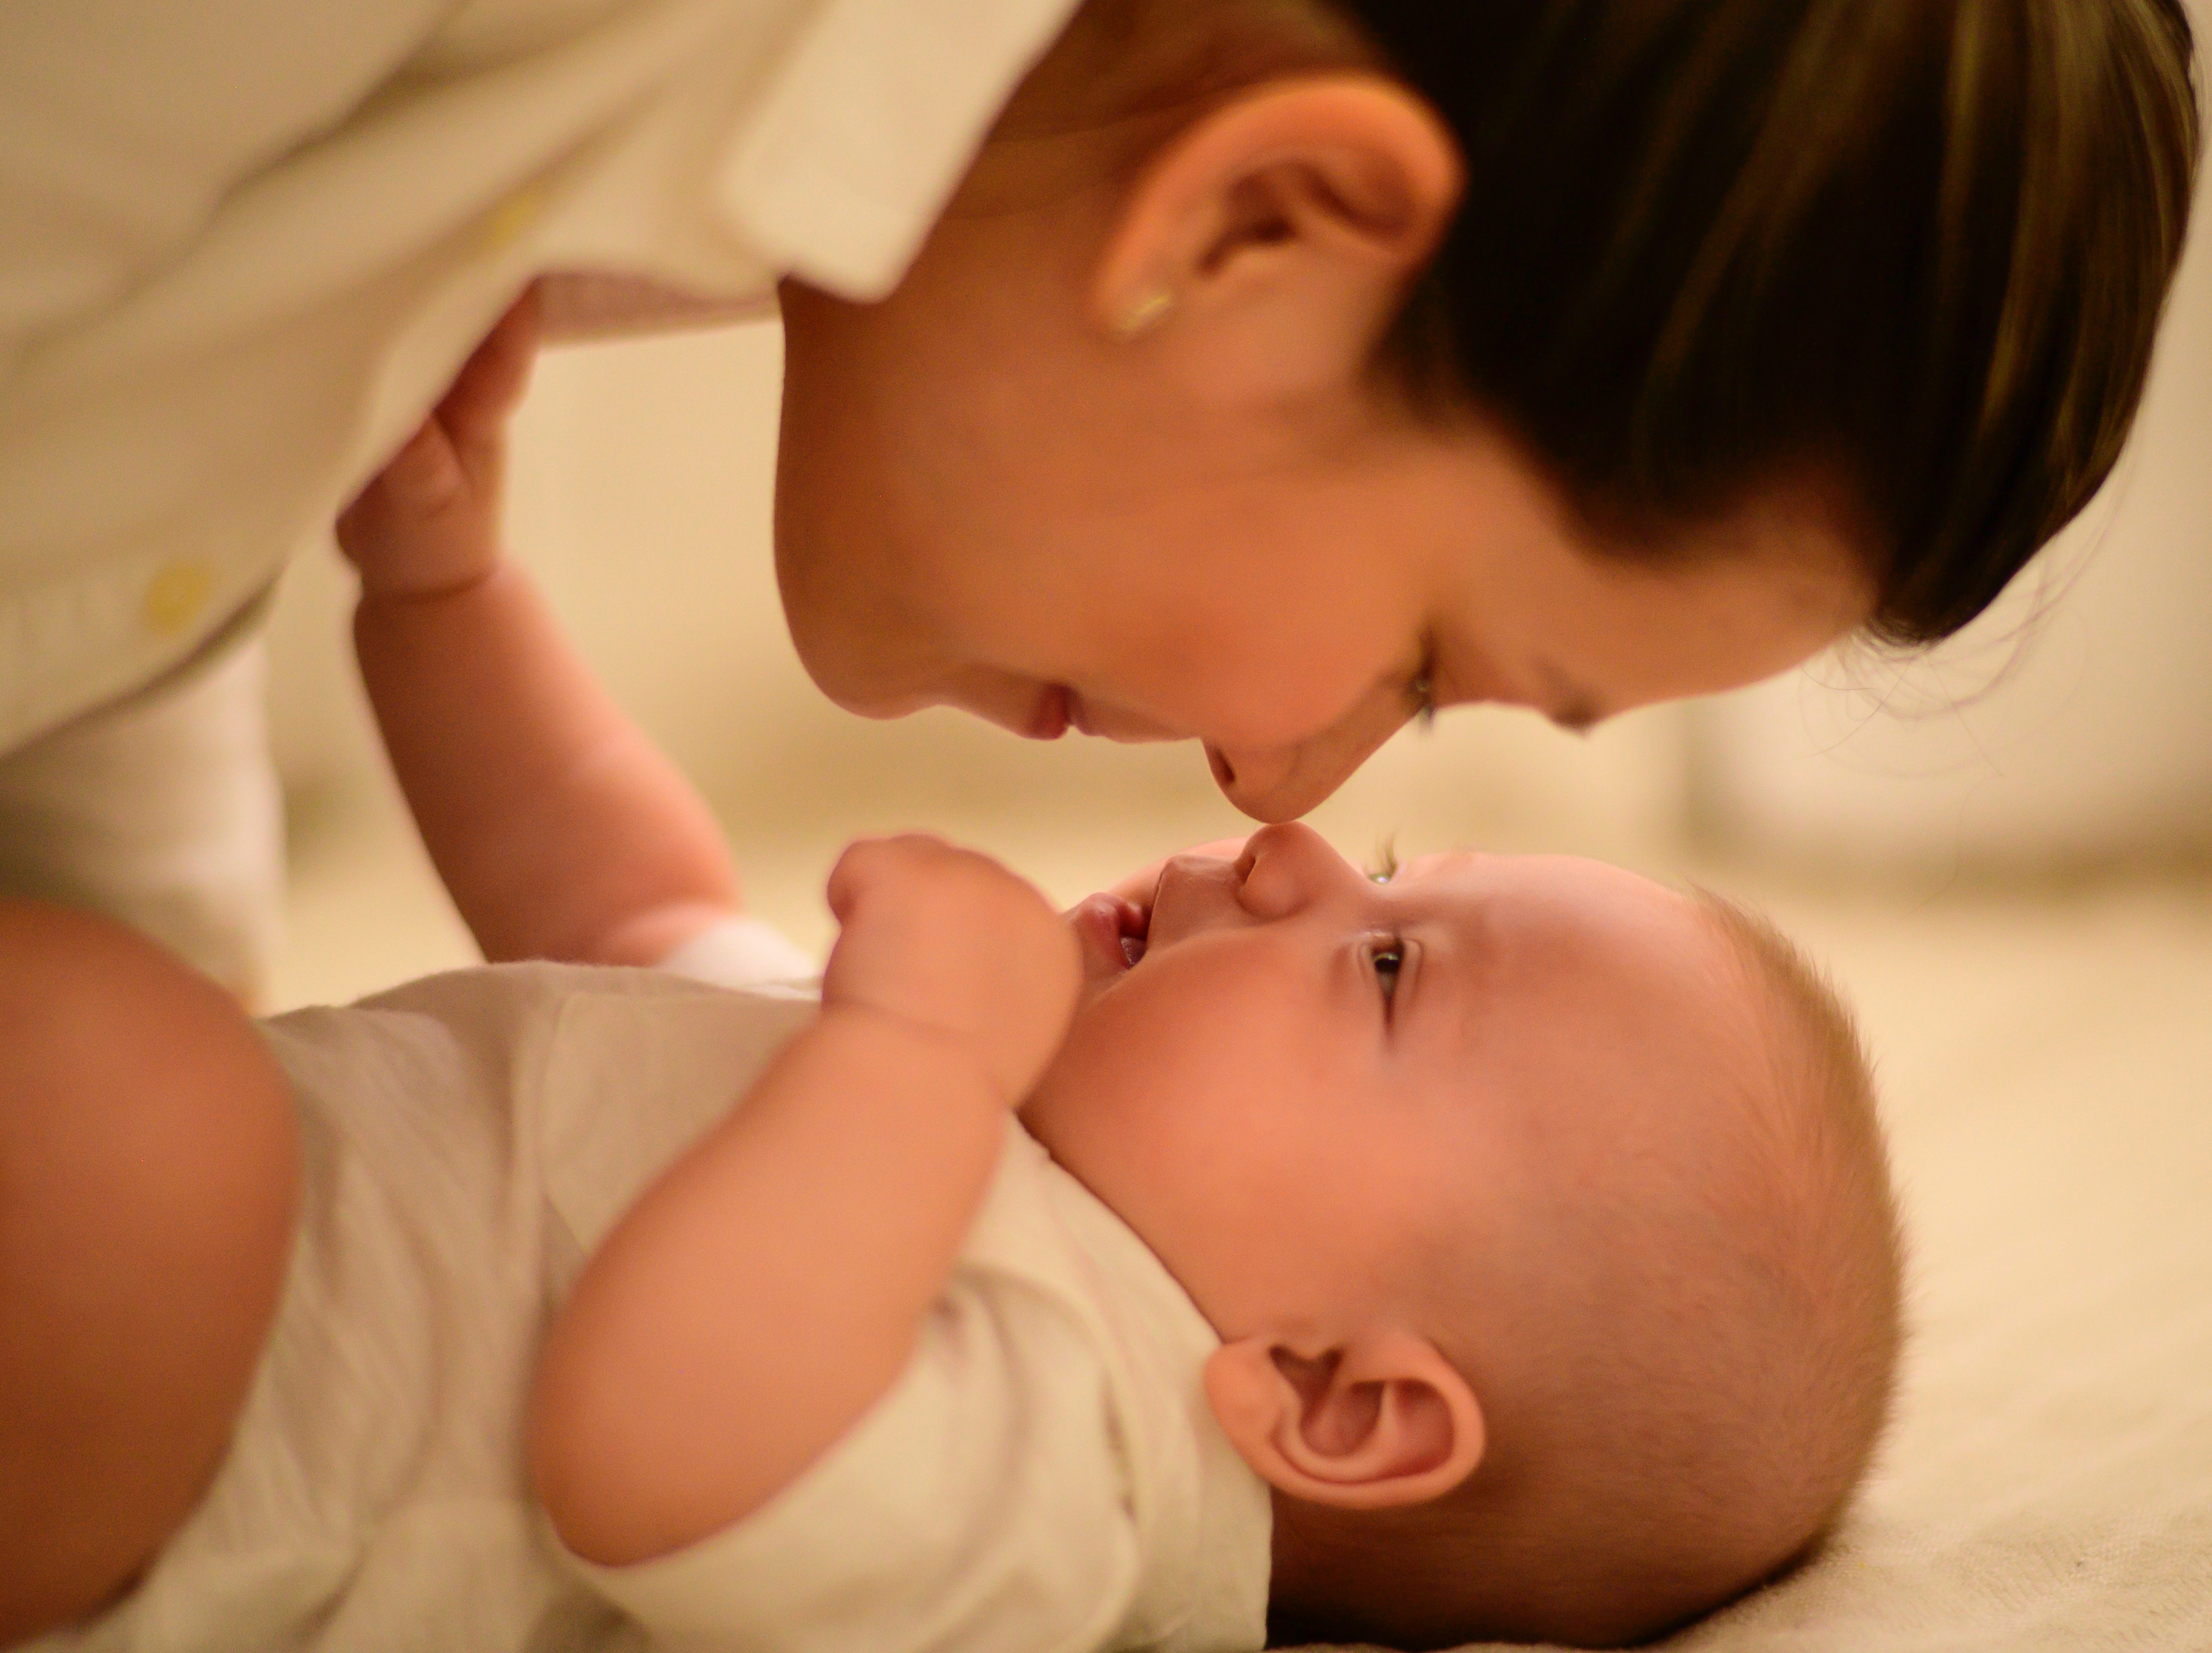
(416, 593)
(919, 1040)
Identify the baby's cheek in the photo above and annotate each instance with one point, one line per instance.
(1074, 1100)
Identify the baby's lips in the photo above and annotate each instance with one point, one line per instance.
(1103, 924)
(1136, 926)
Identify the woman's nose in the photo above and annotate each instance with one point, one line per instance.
(1285, 868)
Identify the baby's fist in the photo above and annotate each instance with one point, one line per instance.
(429, 522)
(950, 941)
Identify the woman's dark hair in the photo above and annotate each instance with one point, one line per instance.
(1923, 243)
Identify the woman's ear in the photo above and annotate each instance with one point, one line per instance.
(1265, 250)
(1382, 1420)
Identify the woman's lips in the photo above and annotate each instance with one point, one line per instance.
(1051, 719)
(1059, 708)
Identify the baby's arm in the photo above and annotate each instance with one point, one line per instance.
(770, 1287)
(558, 828)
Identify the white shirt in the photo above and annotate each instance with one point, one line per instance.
(1044, 1475)
(244, 245)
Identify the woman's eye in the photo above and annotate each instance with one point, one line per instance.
(1421, 693)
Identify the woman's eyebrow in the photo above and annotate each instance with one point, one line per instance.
(1383, 865)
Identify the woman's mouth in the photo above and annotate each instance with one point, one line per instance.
(1050, 719)
(1059, 710)
(1076, 713)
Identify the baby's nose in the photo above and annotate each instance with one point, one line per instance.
(1195, 892)
(1285, 869)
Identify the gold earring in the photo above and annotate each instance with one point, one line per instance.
(1145, 312)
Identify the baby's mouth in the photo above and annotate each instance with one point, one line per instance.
(1133, 944)
(1112, 931)
(1133, 924)
(1137, 923)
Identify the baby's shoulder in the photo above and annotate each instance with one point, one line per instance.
(539, 1045)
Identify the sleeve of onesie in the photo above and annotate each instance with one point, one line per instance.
(741, 951)
(982, 1505)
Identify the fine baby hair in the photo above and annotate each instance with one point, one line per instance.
(1912, 255)
(1720, 1328)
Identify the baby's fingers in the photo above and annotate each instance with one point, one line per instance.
(382, 530)
(870, 864)
(489, 385)
(950, 940)
(429, 522)
(421, 479)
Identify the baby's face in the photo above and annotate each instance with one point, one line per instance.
(1307, 1077)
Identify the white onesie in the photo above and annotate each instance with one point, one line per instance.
(1045, 1475)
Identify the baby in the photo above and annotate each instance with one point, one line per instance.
(1502, 1250)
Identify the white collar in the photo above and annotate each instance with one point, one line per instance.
(843, 168)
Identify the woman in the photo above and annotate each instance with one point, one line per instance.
(1260, 372)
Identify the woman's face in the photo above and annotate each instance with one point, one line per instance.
(987, 501)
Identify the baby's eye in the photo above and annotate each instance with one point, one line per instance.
(1387, 958)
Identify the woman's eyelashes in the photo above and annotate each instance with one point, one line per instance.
(1421, 692)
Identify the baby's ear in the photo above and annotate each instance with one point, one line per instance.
(1380, 1421)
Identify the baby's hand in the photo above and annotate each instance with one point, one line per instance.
(950, 941)
(429, 523)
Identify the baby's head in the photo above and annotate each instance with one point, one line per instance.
(1542, 1211)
